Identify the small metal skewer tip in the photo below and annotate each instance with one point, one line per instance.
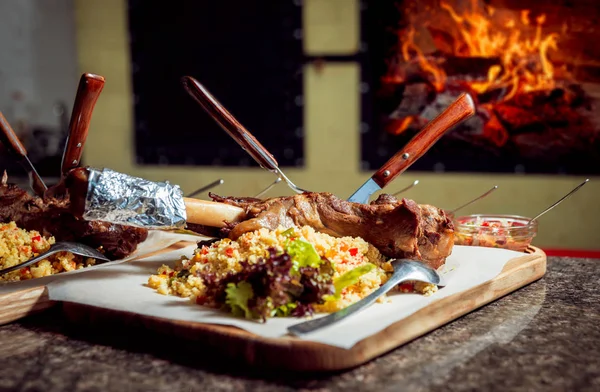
(474, 200)
(559, 201)
(206, 187)
(289, 182)
(259, 194)
(407, 188)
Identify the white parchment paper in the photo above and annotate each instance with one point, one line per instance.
(156, 241)
(123, 287)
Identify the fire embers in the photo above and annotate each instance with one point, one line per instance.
(530, 112)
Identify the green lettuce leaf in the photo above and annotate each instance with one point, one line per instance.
(284, 310)
(289, 232)
(237, 297)
(349, 278)
(302, 253)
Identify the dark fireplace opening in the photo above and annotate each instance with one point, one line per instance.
(536, 84)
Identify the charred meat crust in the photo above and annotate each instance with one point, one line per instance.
(204, 230)
(52, 216)
(398, 228)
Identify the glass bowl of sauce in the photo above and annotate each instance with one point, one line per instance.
(495, 231)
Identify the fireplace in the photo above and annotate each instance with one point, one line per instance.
(532, 68)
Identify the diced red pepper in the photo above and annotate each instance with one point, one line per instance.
(353, 251)
(229, 252)
(406, 287)
(36, 238)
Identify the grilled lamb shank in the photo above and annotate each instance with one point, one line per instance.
(398, 228)
(52, 216)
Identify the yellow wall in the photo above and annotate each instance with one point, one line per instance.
(331, 125)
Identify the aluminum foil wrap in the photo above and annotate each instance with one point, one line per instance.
(122, 199)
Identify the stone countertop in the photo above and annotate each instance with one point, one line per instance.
(545, 336)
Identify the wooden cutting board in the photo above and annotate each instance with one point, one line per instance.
(23, 303)
(290, 353)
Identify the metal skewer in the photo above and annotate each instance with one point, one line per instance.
(235, 129)
(259, 194)
(559, 201)
(407, 188)
(474, 200)
(11, 142)
(206, 187)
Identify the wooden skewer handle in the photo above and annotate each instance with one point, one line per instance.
(211, 213)
(458, 111)
(10, 139)
(229, 123)
(90, 87)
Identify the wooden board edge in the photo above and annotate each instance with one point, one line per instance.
(528, 270)
(23, 303)
(286, 353)
(18, 304)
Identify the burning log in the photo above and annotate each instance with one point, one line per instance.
(529, 111)
(453, 67)
(545, 126)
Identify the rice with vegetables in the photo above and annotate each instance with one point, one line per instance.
(286, 272)
(18, 245)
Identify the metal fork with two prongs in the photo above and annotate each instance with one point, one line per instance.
(72, 247)
(236, 130)
(404, 270)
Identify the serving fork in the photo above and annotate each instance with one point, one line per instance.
(235, 129)
(404, 270)
(63, 246)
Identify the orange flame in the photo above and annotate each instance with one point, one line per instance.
(524, 63)
(438, 74)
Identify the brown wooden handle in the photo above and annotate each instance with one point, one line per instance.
(9, 138)
(232, 126)
(90, 87)
(458, 111)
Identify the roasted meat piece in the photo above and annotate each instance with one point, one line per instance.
(398, 228)
(51, 216)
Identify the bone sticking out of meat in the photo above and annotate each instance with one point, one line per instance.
(52, 216)
(398, 228)
(109, 196)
